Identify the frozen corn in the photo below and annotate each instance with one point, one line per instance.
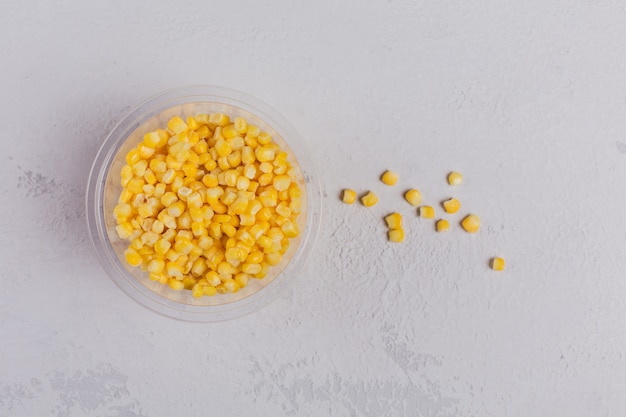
(396, 235)
(497, 264)
(427, 212)
(208, 204)
(451, 205)
(442, 225)
(369, 199)
(414, 197)
(471, 223)
(389, 178)
(349, 196)
(394, 221)
(454, 178)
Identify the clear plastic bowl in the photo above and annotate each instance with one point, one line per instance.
(104, 187)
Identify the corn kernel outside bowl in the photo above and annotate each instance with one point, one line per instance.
(104, 188)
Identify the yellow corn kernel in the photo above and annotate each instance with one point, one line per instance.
(209, 290)
(132, 157)
(157, 226)
(396, 235)
(451, 205)
(414, 197)
(125, 196)
(194, 200)
(203, 132)
(197, 290)
(176, 209)
(283, 209)
(273, 259)
(135, 185)
(369, 199)
(389, 178)
(175, 284)
(471, 223)
(132, 257)
(264, 138)
(140, 168)
(265, 179)
(228, 229)
(266, 167)
(172, 269)
(290, 229)
(269, 198)
(234, 158)
(213, 278)
(152, 139)
(222, 163)
(394, 221)
(124, 230)
(281, 182)
(176, 125)
(223, 148)
(454, 178)
(162, 246)
(158, 166)
(442, 225)
(210, 180)
(497, 264)
(251, 268)
(156, 266)
(250, 171)
(264, 154)
(122, 211)
(349, 196)
(426, 212)
(241, 125)
(219, 119)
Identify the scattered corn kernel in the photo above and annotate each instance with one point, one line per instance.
(396, 235)
(369, 199)
(451, 205)
(442, 225)
(394, 221)
(414, 197)
(349, 196)
(471, 223)
(497, 264)
(454, 178)
(389, 178)
(426, 212)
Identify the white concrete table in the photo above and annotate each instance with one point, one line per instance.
(526, 99)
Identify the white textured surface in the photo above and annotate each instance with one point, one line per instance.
(526, 98)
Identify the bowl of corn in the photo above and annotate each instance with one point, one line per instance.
(203, 204)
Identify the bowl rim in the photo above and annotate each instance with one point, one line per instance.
(94, 202)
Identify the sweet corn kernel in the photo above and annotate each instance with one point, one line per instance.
(394, 221)
(454, 178)
(132, 257)
(389, 178)
(426, 212)
(451, 205)
(175, 284)
(369, 199)
(396, 235)
(497, 264)
(176, 125)
(471, 223)
(442, 225)
(348, 196)
(414, 197)
(219, 119)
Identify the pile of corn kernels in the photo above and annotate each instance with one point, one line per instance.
(207, 204)
(470, 223)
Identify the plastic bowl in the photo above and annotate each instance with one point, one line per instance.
(104, 187)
